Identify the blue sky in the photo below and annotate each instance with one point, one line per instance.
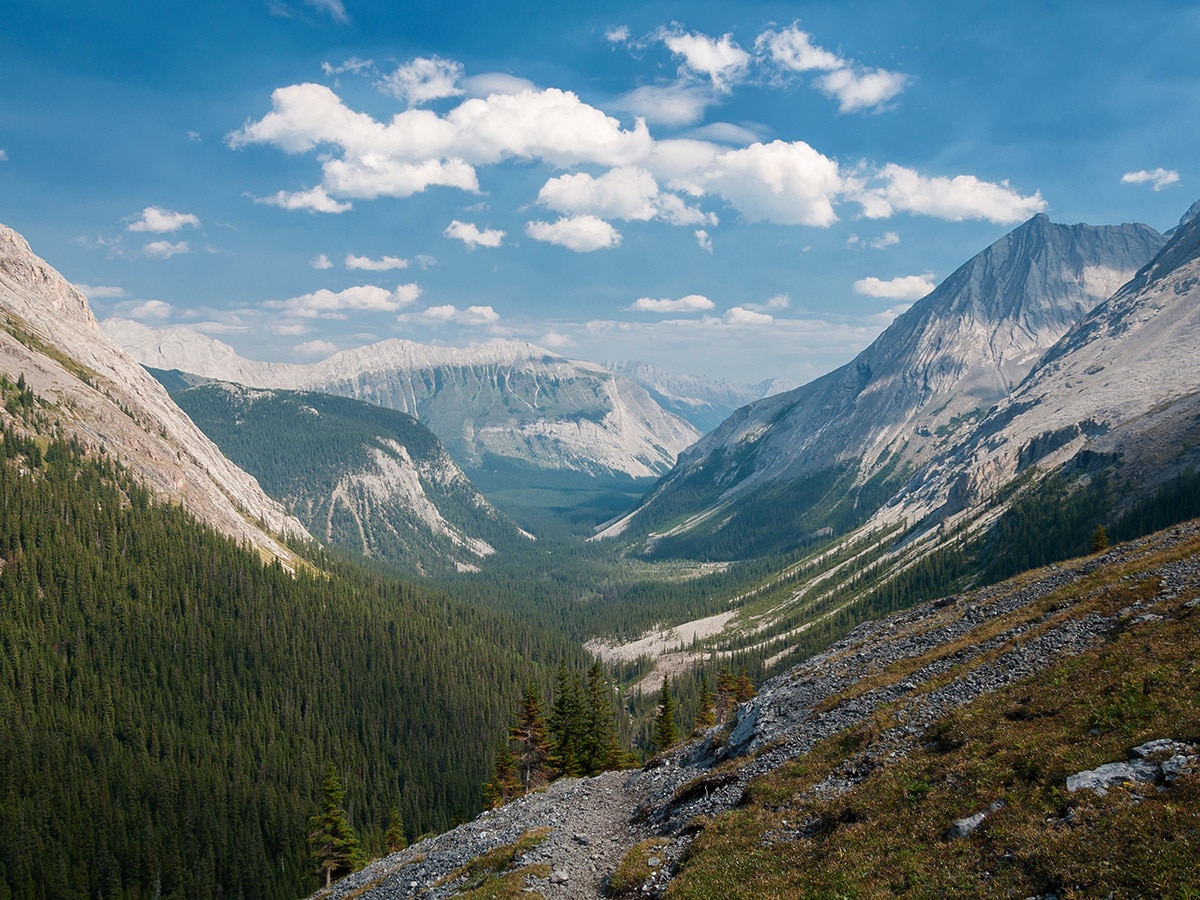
(748, 190)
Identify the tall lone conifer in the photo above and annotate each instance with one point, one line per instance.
(333, 842)
(533, 743)
(664, 725)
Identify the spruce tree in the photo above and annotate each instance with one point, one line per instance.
(533, 743)
(664, 724)
(705, 716)
(394, 836)
(505, 784)
(333, 841)
(566, 724)
(601, 746)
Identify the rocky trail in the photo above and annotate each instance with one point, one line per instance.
(920, 663)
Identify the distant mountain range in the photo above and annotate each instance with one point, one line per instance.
(491, 403)
(823, 457)
(372, 480)
(108, 402)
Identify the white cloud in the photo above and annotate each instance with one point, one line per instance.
(690, 303)
(315, 348)
(704, 239)
(779, 301)
(857, 89)
(793, 49)
(954, 199)
(473, 316)
(3, 156)
(320, 261)
(470, 234)
(555, 341)
(423, 79)
(673, 105)
(162, 221)
(725, 133)
(784, 183)
(888, 239)
(583, 234)
(496, 83)
(165, 249)
(151, 309)
(326, 304)
(383, 264)
(418, 148)
(315, 200)
(738, 317)
(617, 35)
(333, 8)
(904, 287)
(194, 136)
(1157, 179)
(720, 59)
(101, 291)
(625, 193)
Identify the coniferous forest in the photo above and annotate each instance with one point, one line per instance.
(170, 702)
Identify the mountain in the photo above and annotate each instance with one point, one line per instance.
(492, 403)
(1118, 395)
(50, 340)
(703, 401)
(369, 479)
(826, 455)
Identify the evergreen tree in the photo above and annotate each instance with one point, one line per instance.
(664, 725)
(505, 784)
(744, 688)
(394, 836)
(705, 716)
(1099, 539)
(566, 724)
(533, 743)
(726, 689)
(601, 746)
(333, 841)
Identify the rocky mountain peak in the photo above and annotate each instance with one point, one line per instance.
(46, 292)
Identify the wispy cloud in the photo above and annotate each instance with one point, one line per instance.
(690, 303)
(383, 264)
(165, 249)
(1157, 179)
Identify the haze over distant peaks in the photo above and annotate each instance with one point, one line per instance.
(502, 401)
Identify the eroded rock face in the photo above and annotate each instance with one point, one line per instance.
(105, 399)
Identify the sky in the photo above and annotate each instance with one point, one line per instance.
(744, 190)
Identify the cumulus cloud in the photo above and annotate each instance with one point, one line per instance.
(739, 317)
(954, 199)
(690, 303)
(784, 183)
(555, 341)
(618, 34)
(315, 200)
(471, 235)
(151, 309)
(326, 304)
(383, 264)
(320, 261)
(704, 240)
(165, 249)
(315, 348)
(793, 49)
(418, 148)
(583, 234)
(156, 220)
(625, 193)
(1157, 179)
(720, 59)
(858, 89)
(496, 83)
(905, 287)
(423, 79)
(475, 316)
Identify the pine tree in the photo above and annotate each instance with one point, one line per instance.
(705, 716)
(334, 843)
(744, 689)
(664, 724)
(601, 746)
(1099, 539)
(505, 785)
(566, 724)
(394, 836)
(726, 689)
(533, 743)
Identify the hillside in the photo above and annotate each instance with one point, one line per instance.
(1015, 740)
(503, 401)
(103, 399)
(371, 480)
(825, 456)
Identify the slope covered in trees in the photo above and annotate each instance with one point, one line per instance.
(170, 701)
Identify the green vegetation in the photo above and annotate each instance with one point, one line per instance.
(634, 868)
(333, 841)
(888, 835)
(495, 875)
(170, 701)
